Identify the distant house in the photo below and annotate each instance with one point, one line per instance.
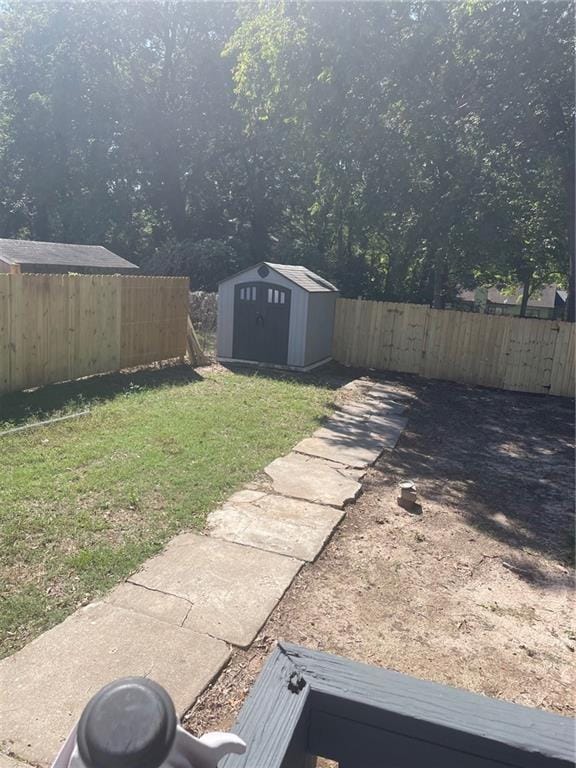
(547, 303)
(18, 256)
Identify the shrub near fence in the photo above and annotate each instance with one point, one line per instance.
(59, 327)
(522, 354)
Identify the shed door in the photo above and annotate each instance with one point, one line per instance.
(261, 322)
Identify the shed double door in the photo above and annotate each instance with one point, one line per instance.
(261, 322)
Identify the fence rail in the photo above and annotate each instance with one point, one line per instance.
(522, 354)
(59, 327)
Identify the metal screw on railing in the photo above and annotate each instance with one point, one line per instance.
(131, 723)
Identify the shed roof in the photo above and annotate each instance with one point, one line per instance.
(60, 254)
(300, 276)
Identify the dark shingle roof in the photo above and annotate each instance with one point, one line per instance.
(303, 277)
(61, 255)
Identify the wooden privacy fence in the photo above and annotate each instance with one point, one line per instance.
(60, 327)
(506, 352)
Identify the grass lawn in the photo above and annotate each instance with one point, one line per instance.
(84, 502)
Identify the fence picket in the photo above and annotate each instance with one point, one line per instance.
(529, 355)
(59, 327)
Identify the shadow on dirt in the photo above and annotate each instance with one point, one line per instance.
(502, 460)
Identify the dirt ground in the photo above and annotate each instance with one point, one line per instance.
(477, 591)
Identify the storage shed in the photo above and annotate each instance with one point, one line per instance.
(277, 314)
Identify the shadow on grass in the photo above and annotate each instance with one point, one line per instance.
(330, 376)
(54, 400)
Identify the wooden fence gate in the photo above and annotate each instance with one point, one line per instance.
(60, 327)
(522, 354)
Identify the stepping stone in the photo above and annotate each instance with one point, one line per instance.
(158, 605)
(231, 589)
(341, 449)
(9, 762)
(316, 480)
(386, 428)
(46, 685)
(373, 408)
(276, 524)
(352, 443)
(386, 390)
(389, 427)
(376, 424)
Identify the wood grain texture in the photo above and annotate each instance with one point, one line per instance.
(441, 717)
(523, 354)
(307, 703)
(353, 743)
(273, 721)
(60, 327)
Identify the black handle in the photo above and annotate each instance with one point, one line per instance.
(130, 723)
(259, 319)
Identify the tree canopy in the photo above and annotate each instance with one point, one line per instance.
(400, 149)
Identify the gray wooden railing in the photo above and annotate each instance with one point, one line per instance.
(307, 704)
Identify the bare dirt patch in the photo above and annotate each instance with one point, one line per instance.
(477, 591)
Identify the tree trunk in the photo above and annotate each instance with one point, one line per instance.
(340, 237)
(571, 299)
(525, 297)
(164, 142)
(439, 297)
(563, 130)
(258, 235)
(173, 196)
(41, 226)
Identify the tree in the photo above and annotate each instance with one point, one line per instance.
(400, 149)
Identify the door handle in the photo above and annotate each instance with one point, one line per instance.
(259, 319)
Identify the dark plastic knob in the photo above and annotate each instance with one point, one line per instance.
(130, 723)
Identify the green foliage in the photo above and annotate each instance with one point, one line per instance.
(401, 149)
(206, 262)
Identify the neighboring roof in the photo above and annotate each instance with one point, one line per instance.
(544, 298)
(300, 276)
(60, 254)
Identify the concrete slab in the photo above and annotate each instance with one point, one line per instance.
(367, 409)
(338, 447)
(10, 762)
(158, 605)
(277, 524)
(389, 428)
(316, 480)
(379, 389)
(248, 495)
(378, 423)
(354, 443)
(46, 685)
(382, 429)
(231, 588)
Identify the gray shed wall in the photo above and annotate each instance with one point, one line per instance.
(298, 315)
(320, 326)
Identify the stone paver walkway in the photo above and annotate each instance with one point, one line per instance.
(275, 523)
(316, 480)
(174, 619)
(45, 685)
(230, 589)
